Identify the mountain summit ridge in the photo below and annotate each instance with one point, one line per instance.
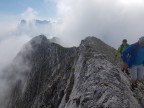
(76, 77)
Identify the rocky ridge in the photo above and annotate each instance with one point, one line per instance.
(77, 77)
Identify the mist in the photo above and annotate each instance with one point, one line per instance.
(111, 21)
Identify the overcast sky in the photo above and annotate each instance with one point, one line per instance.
(72, 20)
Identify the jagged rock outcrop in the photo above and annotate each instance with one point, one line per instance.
(77, 77)
(50, 68)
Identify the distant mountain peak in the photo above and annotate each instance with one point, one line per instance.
(42, 22)
(91, 40)
(23, 22)
(36, 21)
(41, 39)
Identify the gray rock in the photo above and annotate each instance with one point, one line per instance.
(82, 77)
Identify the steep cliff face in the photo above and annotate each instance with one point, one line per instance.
(82, 77)
(50, 68)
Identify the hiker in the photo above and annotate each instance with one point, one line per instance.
(135, 61)
(119, 52)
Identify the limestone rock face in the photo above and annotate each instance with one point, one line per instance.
(77, 77)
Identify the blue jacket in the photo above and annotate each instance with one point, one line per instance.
(131, 54)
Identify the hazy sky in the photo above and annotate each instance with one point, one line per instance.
(106, 19)
(71, 20)
(45, 8)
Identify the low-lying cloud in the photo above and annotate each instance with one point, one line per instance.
(13, 37)
(110, 20)
(10, 47)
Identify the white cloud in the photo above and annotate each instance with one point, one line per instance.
(9, 48)
(50, 1)
(10, 45)
(8, 23)
(11, 42)
(29, 14)
(110, 20)
(131, 2)
(77, 19)
(13, 36)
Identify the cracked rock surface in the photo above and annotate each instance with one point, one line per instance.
(77, 77)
